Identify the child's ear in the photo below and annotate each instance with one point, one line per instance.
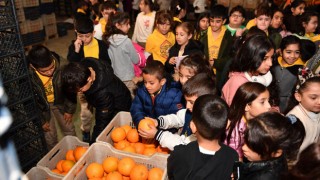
(278, 153)
(304, 24)
(190, 36)
(163, 81)
(117, 25)
(193, 127)
(297, 96)
(224, 21)
(247, 108)
(292, 9)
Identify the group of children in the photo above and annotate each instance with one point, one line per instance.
(214, 90)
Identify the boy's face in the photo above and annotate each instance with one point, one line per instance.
(152, 83)
(190, 101)
(263, 22)
(85, 38)
(236, 19)
(47, 71)
(216, 23)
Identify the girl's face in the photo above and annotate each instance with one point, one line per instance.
(266, 63)
(143, 7)
(312, 25)
(185, 73)
(277, 20)
(182, 36)
(236, 19)
(263, 22)
(204, 23)
(310, 97)
(298, 10)
(124, 27)
(250, 155)
(258, 106)
(291, 54)
(164, 28)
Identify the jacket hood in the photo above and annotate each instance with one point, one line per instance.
(117, 39)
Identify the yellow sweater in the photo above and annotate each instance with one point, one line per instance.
(158, 45)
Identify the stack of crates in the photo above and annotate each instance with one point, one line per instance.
(26, 129)
(48, 18)
(30, 22)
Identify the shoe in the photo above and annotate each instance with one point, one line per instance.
(86, 137)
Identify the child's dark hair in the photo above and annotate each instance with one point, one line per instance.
(177, 5)
(155, 68)
(304, 19)
(198, 64)
(219, 11)
(239, 9)
(40, 57)
(111, 28)
(251, 53)
(245, 94)
(108, 5)
(199, 85)
(264, 9)
(209, 115)
(302, 87)
(82, 3)
(187, 27)
(307, 166)
(271, 131)
(74, 76)
(84, 25)
(197, 24)
(291, 39)
(162, 17)
(153, 4)
(96, 10)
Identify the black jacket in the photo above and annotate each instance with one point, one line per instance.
(263, 170)
(77, 57)
(60, 100)
(191, 48)
(108, 94)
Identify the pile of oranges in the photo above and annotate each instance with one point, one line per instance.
(127, 139)
(72, 156)
(114, 169)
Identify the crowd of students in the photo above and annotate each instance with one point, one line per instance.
(229, 100)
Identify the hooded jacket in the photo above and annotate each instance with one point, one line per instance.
(123, 55)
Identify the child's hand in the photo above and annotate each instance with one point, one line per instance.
(172, 60)
(148, 134)
(77, 45)
(67, 117)
(46, 127)
(240, 31)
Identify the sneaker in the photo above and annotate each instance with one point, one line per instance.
(86, 137)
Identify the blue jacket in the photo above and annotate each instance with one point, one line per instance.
(168, 101)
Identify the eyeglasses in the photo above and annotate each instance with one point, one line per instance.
(236, 16)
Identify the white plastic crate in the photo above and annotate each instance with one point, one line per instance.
(30, 3)
(51, 30)
(48, 19)
(98, 152)
(58, 153)
(35, 25)
(40, 173)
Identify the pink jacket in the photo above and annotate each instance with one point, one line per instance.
(236, 79)
(142, 60)
(237, 137)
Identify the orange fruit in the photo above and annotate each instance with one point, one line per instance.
(79, 151)
(115, 175)
(94, 170)
(125, 178)
(139, 172)
(110, 164)
(56, 171)
(122, 144)
(70, 156)
(149, 151)
(133, 136)
(139, 147)
(125, 166)
(129, 149)
(118, 134)
(163, 150)
(58, 166)
(67, 165)
(126, 128)
(155, 174)
(144, 124)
